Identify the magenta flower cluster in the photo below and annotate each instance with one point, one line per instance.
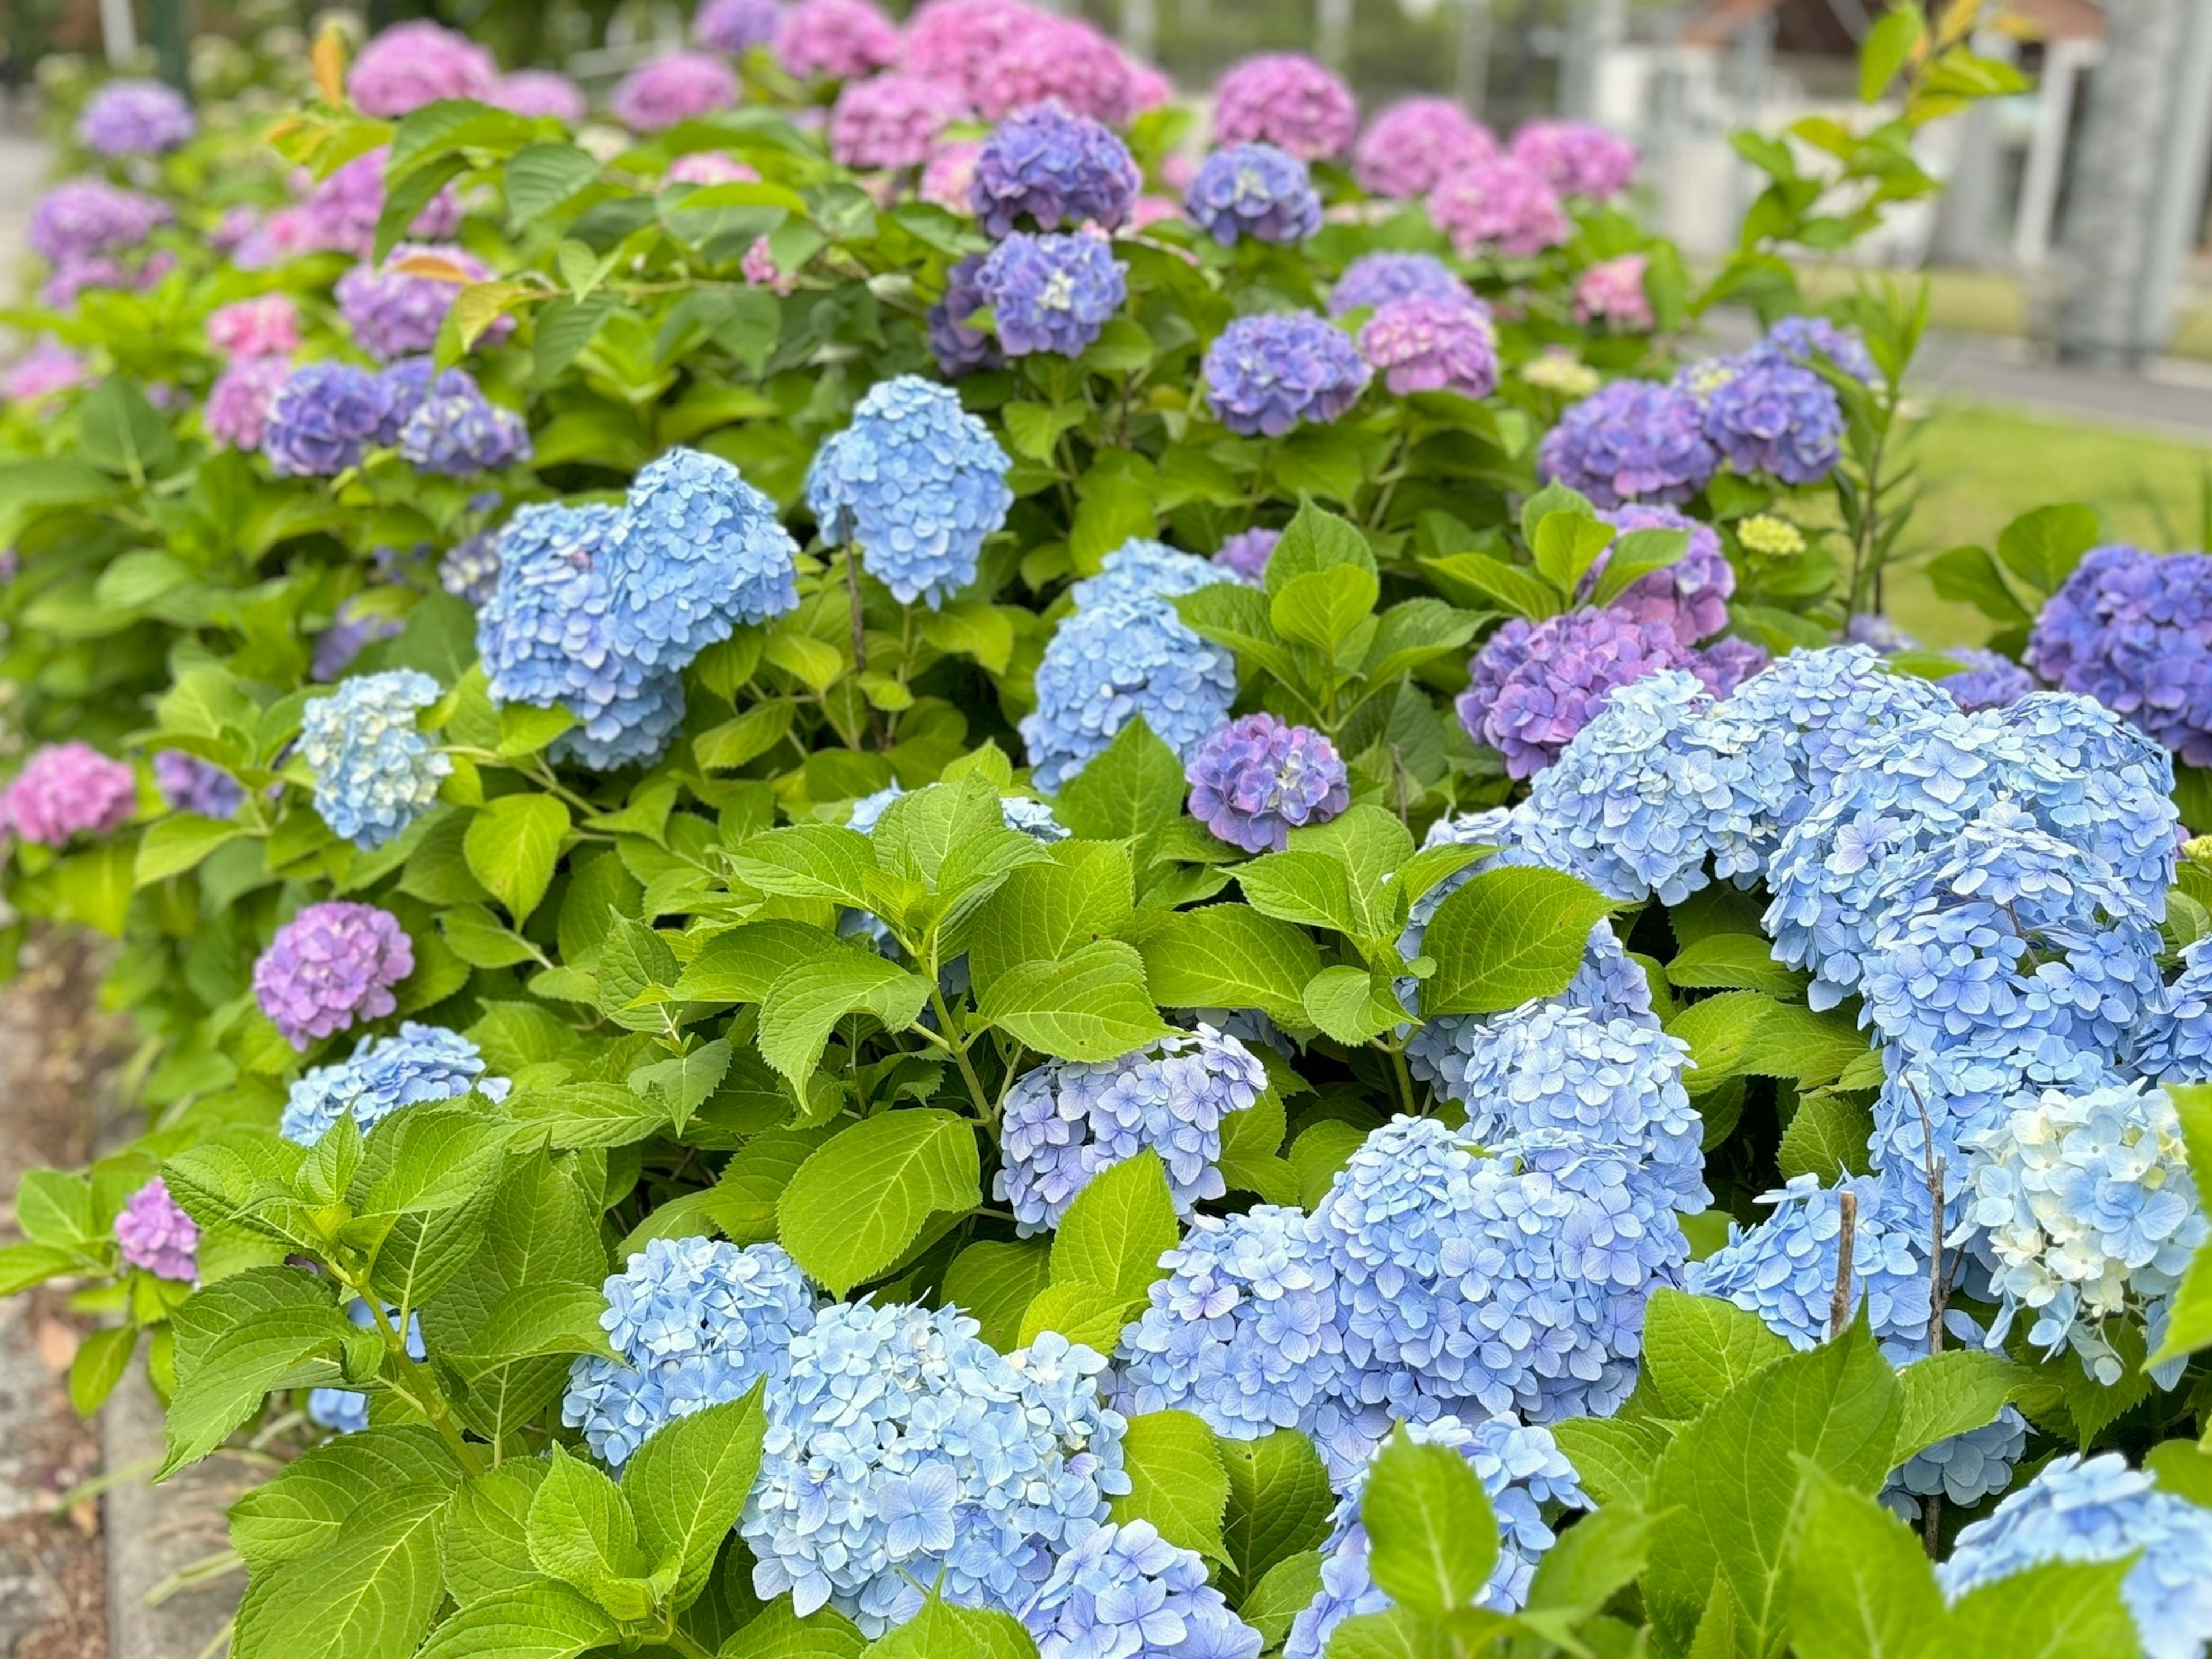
(331, 966)
(47, 367)
(1005, 55)
(1502, 207)
(892, 120)
(266, 327)
(835, 40)
(1432, 345)
(1577, 159)
(1258, 778)
(1410, 147)
(542, 92)
(238, 403)
(155, 1235)
(680, 87)
(414, 64)
(1287, 100)
(1613, 291)
(69, 789)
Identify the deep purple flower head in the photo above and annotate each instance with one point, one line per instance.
(835, 40)
(1055, 168)
(69, 789)
(1536, 684)
(958, 349)
(1613, 291)
(456, 430)
(1411, 145)
(1808, 339)
(1287, 100)
(1499, 206)
(1631, 440)
(1257, 779)
(1432, 345)
(1006, 55)
(1577, 159)
(1767, 415)
(1266, 374)
(679, 86)
(157, 1236)
(2134, 630)
(341, 212)
(1728, 662)
(239, 402)
(135, 117)
(322, 418)
(1690, 596)
(892, 120)
(394, 313)
(1376, 279)
(541, 92)
(414, 64)
(1990, 681)
(1052, 293)
(1247, 553)
(1257, 191)
(736, 25)
(82, 219)
(47, 367)
(190, 784)
(266, 327)
(331, 966)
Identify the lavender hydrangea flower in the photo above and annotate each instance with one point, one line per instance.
(374, 774)
(66, 790)
(958, 349)
(414, 64)
(1066, 1121)
(1807, 340)
(1690, 596)
(1245, 555)
(1990, 681)
(541, 92)
(323, 419)
(1413, 144)
(414, 1066)
(1536, 684)
(155, 1235)
(2134, 630)
(736, 25)
(1255, 190)
(1258, 778)
(1432, 345)
(190, 784)
(1633, 441)
(835, 40)
(135, 117)
(1577, 159)
(80, 220)
(892, 120)
(355, 627)
(1373, 280)
(1123, 1589)
(1112, 662)
(456, 430)
(1765, 414)
(239, 401)
(1052, 293)
(471, 571)
(331, 966)
(675, 87)
(1266, 374)
(1499, 207)
(1287, 100)
(392, 314)
(1612, 291)
(47, 367)
(342, 211)
(1053, 168)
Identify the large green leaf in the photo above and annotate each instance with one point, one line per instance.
(312, 1502)
(1505, 936)
(368, 1593)
(512, 845)
(1093, 1004)
(546, 1620)
(1431, 1539)
(1135, 784)
(1176, 1480)
(860, 1199)
(1230, 956)
(1279, 1505)
(687, 1483)
(805, 1004)
(1859, 1585)
(582, 1532)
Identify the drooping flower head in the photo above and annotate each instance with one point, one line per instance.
(1110, 662)
(1414, 142)
(268, 326)
(135, 117)
(331, 966)
(1258, 778)
(2134, 630)
(1287, 100)
(736, 25)
(1499, 207)
(1432, 345)
(1634, 440)
(1125, 1590)
(678, 87)
(418, 62)
(1613, 291)
(417, 1065)
(69, 789)
(892, 120)
(1053, 168)
(1265, 375)
(1577, 159)
(1052, 293)
(155, 1235)
(1767, 415)
(1689, 596)
(1373, 280)
(1536, 684)
(374, 774)
(541, 92)
(1245, 554)
(190, 784)
(835, 40)
(1257, 191)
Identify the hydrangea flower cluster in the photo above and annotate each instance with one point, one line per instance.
(711, 166)
(902, 1451)
(355, 627)
(1245, 555)
(541, 92)
(2175, 1042)
(673, 89)
(1287, 100)
(1966, 1468)
(1808, 340)
(190, 784)
(1066, 1121)
(1765, 414)
(1535, 685)
(155, 1235)
(1690, 596)
(1373, 280)
(1410, 146)
(455, 430)
(1005, 55)
(1989, 680)
(916, 485)
(82, 219)
(1052, 293)
(66, 790)
(267, 326)
(331, 966)
(417, 1065)
(1499, 207)
(736, 25)
(1258, 778)
(1265, 375)
(323, 419)
(835, 40)
(2100, 1509)
(1054, 168)
(2134, 630)
(1824, 704)
(1612, 291)
(1257, 191)
(695, 1322)
(341, 212)
(47, 367)
(1634, 440)
(374, 774)
(1432, 345)
(958, 349)
(1525, 1474)
(891, 120)
(1577, 159)
(1143, 569)
(392, 314)
(414, 64)
(135, 117)
(1126, 1591)
(949, 174)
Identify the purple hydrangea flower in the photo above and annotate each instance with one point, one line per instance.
(1577, 159)
(1432, 345)
(239, 402)
(835, 40)
(1247, 553)
(1258, 778)
(69, 789)
(456, 430)
(323, 419)
(1990, 681)
(736, 25)
(541, 92)
(1055, 168)
(45, 368)
(268, 326)
(471, 571)
(190, 784)
(157, 1236)
(680, 87)
(83, 219)
(1052, 293)
(1728, 662)
(1265, 375)
(892, 120)
(341, 213)
(1690, 596)
(1287, 100)
(1257, 191)
(414, 64)
(392, 314)
(352, 630)
(1536, 684)
(1767, 415)
(1411, 145)
(135, 117)
(1808, 339)
(958, 349)
(2134, 630)
(1373, 280)
(61, 290)
(1631, 440)
(1499, 206)
(331, 966)
(1613, 291)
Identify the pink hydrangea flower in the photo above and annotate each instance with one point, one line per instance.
(680, 87)
(1287, 100)
(71, 789)
(1416, 142)
(1577, 159)
(266, 327)
(240, 400)
(759, 267)
(1151, 210)
(1614, 293)
(45, 368)
(949, 175)
(541, 92)
(1005, 55)
(341, 212)
(1423, 343)
(711, 166)
(835, 40)
(1500, 207)
(892, 120)
(155, 1235)
(414, 64)
(332, 965)
(1149, 89)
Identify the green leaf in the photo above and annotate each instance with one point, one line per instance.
(310, 1503)
(512, 845)
(102, 1359)
(1176, 1480)
(1567, 544)
(942, 1631)
(1272, 1605)
(1717, 1029)
(1599, 1555)
(172, 845)
(1615, 1457)
(480, 941)
(1952, 1392)
(751, 734)
(1115, 1229)
(1092, 1005)
(1279, 1505)
(807, 999)
(1321, 608)
(1316, 540)
(487, 1540)
(282, 1348)
(2055, 1610)
(1971, 576)
(1431, 1537)
(1827, 1137)
(1353, 1004)
(582, 1532)
(686, 1079)
(2042, 547)
(2183, 1468)
(688, 1482)
(1634, 555)
(780, 1633)
(540, 177)
(544, 1621)
(808, 861)
(1045, 912)
(1395, 1633)
(369, 1593)
(524, 730)
(22, 1266)
(1230, 956)
(1697, 1348)
(994, 1281)
(1859, 1584)
(1889, 45)
(1309, 888)
(743, 1202)
(1506, 936)
(858, 1201)
(54, 1206)
(1519, 591)
(533, 1321)
(739, 966)
(1319, 1152)
(120, 433)
(1734, 962)
(1133, 785)
(1092, 1315)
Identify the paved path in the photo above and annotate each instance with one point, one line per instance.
(2172, 397)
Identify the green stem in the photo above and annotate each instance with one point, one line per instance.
(984, 1105)
(433, 1408)
(688, 1646)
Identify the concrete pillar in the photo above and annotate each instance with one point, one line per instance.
(1333, 32)
(2064, 62)
(1471, 69)
(1965, 232)
(118, 31)
(1140, 28)
(2178, 206)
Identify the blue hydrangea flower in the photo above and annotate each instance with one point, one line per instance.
(471, 571)
(1065, 1121)
(916, 483)
(1825, 703)
(958, 349)
(697, 1322)
(345, 1411)
(697, 551)
(1528, 1480)
(456, 430)
(1125, 1591)
(1053, 168)
(323, 419)
(2174, 1043)
(1784, 1268)
(374, 774)
(1052, 293)
(1765, 414)
(1110, 662)
(1255, 190)
(2129, 628)
(1966, 1468)
(1143, 569)
(901, 1452)
(1373, 280)
(418, 1063)
(1266, 374)
(1032, 818)
(2100, 1509)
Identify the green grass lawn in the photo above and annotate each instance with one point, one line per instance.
(1980, 467)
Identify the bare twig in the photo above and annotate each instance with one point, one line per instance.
(1840, 1306)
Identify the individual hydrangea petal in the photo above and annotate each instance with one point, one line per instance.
(1287, 100)
(66, 790)
(1499, 207)
(1255, 190)
(154, 1234)
(1258, 778)
(1052, 293)
(1633, 440)
(1416, 142)
(420, 1063)
(1266, 374)
(331, 966)
(374, 774)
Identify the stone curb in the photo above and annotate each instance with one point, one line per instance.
(152, 1532)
